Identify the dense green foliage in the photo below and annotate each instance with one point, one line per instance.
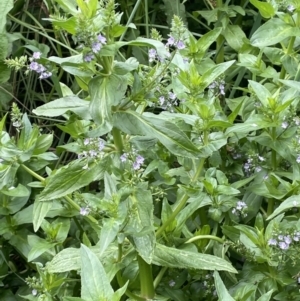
(149, 150)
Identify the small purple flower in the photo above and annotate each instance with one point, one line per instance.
(139, 159)
(34, 66)
(34, 292)
(84, 211)
(88, 57)
(136, 166)
(180, 45)
(101, 145)
(258, 169)
(171, 41)
(123, 158)
(222, 89)
(290, 8)
(283, 246)
(86, 141)
(172, 96)
(287, 239)
(280, 237)
(36, 55)
(96, 47)
(298, 159)
(172, 283)
(161, 100)
(272, 242)
(45, 75)
(284, 125)
(297, 120)
(92, 153)
(101, 39)
(152, 54)
(40, 69)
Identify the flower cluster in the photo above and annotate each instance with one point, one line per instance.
(168, 102)
(172, 42)
(16, 117)
(37, 67)
(284, 242)
(240, 209)
(218, 87)
(134, 159)
(94, 46)
(93, 149)
(253, 164)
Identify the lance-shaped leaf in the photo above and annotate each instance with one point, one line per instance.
(60, 106)
(95, 284)
(181, 259)
(273, 32)
(221, 288)
(291, 202)
(166, 132)
(70, 178)
(105, 92)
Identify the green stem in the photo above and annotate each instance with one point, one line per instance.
(159, 277)
(117, 139)
(182, 202)
(199, 237)
(271, 203)
(146, 279)
(120, 278)
(34, 174)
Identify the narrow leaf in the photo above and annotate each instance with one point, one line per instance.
(289, 203)
(221, 289)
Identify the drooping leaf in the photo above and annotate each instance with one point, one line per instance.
(291, 202)
(166, 132)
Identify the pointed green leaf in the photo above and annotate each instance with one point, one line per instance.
(5, 7)
(38, 246)
(95, 285)
(166, 132)
(291, 202)
(273, 32)
(109, 231)
(61, 106)
(265, 8)
(70, 178)
(221, 289)
(181, 259)
(234, 36)
(40, 210)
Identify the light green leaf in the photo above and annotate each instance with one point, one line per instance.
(207, 39)
(166, 132)
(40, 210)
(19, 191)
(262, 93)
(95, 284)
(5, 7)
(180, 259)
(265, 8)
(105, 92)
(60, 106)
(109, 231)
(69, 6)
(221, 289)
(70, 178)
(291, 202)
(273, 32)
(38, 246)
(234, 36)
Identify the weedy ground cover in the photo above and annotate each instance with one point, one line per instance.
(149, 150)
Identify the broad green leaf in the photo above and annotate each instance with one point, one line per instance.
(106, 92)
(38, 246)
(19, 191)
(291, 202)
(207, 39)
(70, 178)
(234, 36)
(221, 288)
(61, 106)
(5, 7)
(69, 6)
(166, 132)
(272, 32)
(110, 185)
(4, 69)
(141, 224)
(180, 259)
(265, 8)
(43, 143)
(40, 210)
(68, 25)
(95, 284)
(122, 68)
(2, 123)
(7, 174)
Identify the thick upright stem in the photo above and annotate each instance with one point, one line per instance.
(146, 279)
(117, 139)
